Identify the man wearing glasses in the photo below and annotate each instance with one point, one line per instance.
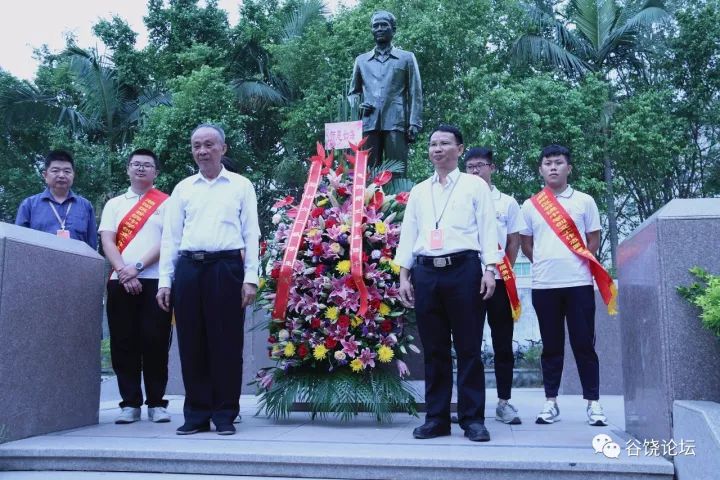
(131, 231)
(479, 162)
(449, 221)
(58, 210)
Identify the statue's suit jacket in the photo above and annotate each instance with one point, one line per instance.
(393, 87)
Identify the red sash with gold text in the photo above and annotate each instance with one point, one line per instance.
(356, 230)
(135, 219)
(508, 276)
(564, 227)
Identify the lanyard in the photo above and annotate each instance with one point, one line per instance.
(432, 197)
(61, 221)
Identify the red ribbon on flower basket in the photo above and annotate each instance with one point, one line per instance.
(356, 230)
(295, 238)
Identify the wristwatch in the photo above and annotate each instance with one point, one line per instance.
(140, 266)
(490, 268)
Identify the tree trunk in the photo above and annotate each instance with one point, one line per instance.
(612, 215)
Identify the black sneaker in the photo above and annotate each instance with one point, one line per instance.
(188, 429)
(228, 429)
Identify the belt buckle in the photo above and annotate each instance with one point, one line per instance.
(198, 256)
(441, 262)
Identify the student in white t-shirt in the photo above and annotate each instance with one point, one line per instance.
(562, 286)
(479, 162)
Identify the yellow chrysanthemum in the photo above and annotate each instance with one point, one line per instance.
(384, 309)
(356, 365)
(331, 313)
(356, 321)
(395, 268)
(289, 350)
(380, 227)
(385, 354)
(343, 267)
(320, 352)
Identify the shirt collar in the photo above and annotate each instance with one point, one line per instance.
(131, 194)
(567, 193)
(452, 176)
(495, 193)
(388, 51)
(223, 174)
(46, 195)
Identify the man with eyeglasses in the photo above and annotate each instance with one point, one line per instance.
(58, 210)
(479, 162)
(131, 230)
(449, 221)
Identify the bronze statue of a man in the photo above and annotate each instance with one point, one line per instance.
(389, 80)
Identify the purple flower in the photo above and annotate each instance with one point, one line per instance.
(367, 357)
(350, 346)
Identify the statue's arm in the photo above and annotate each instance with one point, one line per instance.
(356, 85)
(415, 93)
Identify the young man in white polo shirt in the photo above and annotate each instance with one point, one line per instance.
(479, 162)
(562, 284)
(130, 231)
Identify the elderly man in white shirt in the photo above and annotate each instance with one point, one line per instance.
(209, 256)
(448, 223)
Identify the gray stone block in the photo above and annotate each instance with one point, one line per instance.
(698, 422)
(608, 348)
(51, 292)
(666, 353)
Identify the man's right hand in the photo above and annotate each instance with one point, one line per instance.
(407, 293)
(367, 108)
(163, 298)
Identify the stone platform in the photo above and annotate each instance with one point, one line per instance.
(361, 449)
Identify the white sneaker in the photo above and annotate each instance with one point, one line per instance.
(550, 413)
(128, 415)
(238, 419)
(506, 413)
(595, 414)
(158, 415)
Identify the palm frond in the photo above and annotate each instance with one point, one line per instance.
(25, 102)
(102, 96)
(390, 165)
(626, 32)
(295, 23)
(531, 48)
(146, 101)
(256, 94)
(545, 19)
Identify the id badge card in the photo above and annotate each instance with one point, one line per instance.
(63, 233)
(436, 239)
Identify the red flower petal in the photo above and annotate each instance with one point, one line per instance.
(382, 178)
(284, 201)
(402, 197)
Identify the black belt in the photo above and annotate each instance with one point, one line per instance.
(203, 256)
(446, 260)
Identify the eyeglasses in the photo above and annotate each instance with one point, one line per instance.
(141, 166)
(441, 144)
(477, 166)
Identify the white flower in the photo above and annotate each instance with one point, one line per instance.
(375, 254)
(340, 355)
(276, 218)
(283, 335)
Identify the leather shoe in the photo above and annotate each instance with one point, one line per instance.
(431, 430)
(477, 432)
(188, 429)
(227, 429)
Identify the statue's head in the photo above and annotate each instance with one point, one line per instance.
(382, 24)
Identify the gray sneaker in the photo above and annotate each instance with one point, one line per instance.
(506, 413)
(596, 416)
(238, 419)
(550, 413)
(158, 415)
(128, 415)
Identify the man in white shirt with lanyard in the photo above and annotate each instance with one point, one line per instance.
(209, 257)
(448, 221)
(479, 161)
(562, 286)
(140, 331)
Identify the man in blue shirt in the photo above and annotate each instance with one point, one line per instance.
(58, 210)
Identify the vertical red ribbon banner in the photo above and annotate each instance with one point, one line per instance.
(564, 227)
(295, 238)
(508, 276)
(356, 229)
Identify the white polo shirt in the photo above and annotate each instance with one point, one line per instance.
(149, 235)
(554, 265)
(509, 220)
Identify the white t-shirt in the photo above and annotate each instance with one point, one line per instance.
(554, 265)
(509, 220)
(148, 236)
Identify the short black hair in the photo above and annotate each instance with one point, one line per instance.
(555, 150)
(445, 127)
(145, 152)
(59, 156)
(479, 152)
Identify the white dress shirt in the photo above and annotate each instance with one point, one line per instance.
(147, 237)
(554, 265)
(509, 220)
(468, 222)
(211, 215)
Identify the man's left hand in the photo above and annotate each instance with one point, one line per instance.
(487, 285)
(249, 290)
(127, 273)
(412, 133)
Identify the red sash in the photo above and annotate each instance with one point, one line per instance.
(508, 276)
(564, 227)
(293, 242)
(356, 230)
(135, 219)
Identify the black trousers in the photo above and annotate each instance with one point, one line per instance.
(447, 302)
(499, 315)
(576, 305)
(387, 145)
(207, 298)
(140, 336)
